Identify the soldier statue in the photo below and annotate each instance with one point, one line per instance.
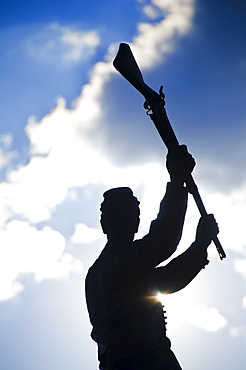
(121, 286)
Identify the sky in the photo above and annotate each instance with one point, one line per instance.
(72, 127)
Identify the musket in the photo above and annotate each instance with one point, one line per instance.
(127, 66)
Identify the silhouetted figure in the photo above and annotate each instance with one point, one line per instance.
(121, 286)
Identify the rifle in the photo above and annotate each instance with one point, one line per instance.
(126, 65)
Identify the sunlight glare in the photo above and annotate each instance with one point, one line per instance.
(161, 298)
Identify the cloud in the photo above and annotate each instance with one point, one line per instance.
(229, 210)
(151, 11)
(85, 234)
(60, 44)
(154, 42)
(26, 250)
(80, 43)
(244, 301)
(6, 155)
(207, 318)
(237, 331)
(240, 267)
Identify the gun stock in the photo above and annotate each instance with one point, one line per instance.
(127, 66)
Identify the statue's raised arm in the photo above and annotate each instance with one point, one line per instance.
(126, 64)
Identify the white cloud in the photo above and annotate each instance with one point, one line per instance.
(57, 43)
(9, 288)
(229, 210)
(240, 267)
(207, 318)
(154, 42)
(24, 250)
(236, 331)
(80, 43)
(6, 155)
(151, 11)
(244, 302)
(85, 234)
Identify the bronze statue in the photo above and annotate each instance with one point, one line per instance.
(122, 285)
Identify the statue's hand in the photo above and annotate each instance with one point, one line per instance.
(207, 229)
(180, 164)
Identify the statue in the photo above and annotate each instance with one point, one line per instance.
(122, 284)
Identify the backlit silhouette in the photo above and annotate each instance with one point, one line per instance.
(123, 283)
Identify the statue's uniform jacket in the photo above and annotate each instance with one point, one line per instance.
(122, 284)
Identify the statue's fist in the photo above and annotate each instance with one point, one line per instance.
(207, 229)
(180, 164)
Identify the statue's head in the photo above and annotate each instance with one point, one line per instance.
(120, 212)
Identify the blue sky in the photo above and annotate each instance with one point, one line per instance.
(71, 127)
